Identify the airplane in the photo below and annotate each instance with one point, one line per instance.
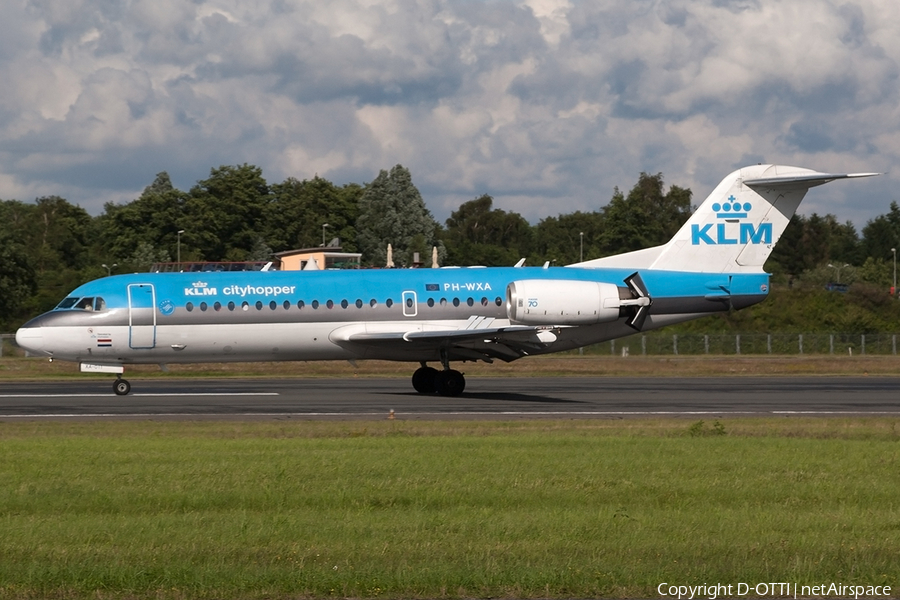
(714, 263)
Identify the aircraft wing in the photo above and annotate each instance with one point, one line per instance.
(478, 340)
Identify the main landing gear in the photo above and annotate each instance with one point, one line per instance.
(121, 387)
(428, 380)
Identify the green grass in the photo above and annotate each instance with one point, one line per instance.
(456, 509)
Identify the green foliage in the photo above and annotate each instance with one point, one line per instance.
(225, 213)
(299, 209)
(882, 233)
(559, 239)
(477, 234)
(17, 279)
(699, 429)
(814, 241)
(646, 217)
(152, 220)
(391, 211)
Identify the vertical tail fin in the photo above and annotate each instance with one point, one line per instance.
(738, 225)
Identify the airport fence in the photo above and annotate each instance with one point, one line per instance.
(750, 343)
(661, 343)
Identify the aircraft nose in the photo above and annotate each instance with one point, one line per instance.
(30, 338)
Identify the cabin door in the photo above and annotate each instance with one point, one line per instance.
(141, 316)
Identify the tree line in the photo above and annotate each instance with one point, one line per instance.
(50, 246)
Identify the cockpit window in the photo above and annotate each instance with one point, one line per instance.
(67, 303)
(86, 304)
(89, 303)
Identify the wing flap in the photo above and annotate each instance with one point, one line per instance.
(505, 343)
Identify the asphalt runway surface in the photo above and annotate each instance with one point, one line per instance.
(375, 398)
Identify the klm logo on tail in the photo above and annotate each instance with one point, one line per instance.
(732, 230)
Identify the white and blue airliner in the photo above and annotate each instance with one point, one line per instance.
(713, 264)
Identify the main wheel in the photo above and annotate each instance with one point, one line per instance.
(121, 387)
(449, 383)
(423, 380)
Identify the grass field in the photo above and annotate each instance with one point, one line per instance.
(394, 509)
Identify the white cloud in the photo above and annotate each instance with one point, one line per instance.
(545, 104)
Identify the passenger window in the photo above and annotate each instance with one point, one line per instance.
(287, 304)
(189, 306)
(231, 306)
(456, 302)
(470, 302)
(273, 305)
(389, 303)
(203, 306)
(358, 303)
(430, 302)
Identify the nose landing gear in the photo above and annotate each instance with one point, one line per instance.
(121, 387)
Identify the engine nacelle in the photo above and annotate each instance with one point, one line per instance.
(561, 302)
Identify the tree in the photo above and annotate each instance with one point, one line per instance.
(58, 240)
(646, 217)
(881, 234)
(299, 209)
(815, 241)
(476, 234)
(17, 280)
(560, 238)
(391, 211)
(153, 219)
(225, 212)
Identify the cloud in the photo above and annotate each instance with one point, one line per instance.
(547, 105)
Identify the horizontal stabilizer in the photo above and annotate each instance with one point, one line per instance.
(803, 181)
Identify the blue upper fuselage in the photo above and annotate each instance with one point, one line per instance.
(179, 292)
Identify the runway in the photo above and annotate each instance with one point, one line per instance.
(375, 398)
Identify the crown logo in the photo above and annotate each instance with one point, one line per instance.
(732, 209)
(199, 284)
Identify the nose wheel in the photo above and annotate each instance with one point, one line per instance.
(121, 387)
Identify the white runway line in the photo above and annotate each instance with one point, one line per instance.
(148, 395)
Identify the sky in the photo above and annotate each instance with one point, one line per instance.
(546, 105)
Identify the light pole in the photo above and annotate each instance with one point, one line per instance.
(180, 231)
(324, 225)
(109, 269)
(894, 289)
(581, 235)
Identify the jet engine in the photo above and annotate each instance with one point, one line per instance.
(561, 302)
